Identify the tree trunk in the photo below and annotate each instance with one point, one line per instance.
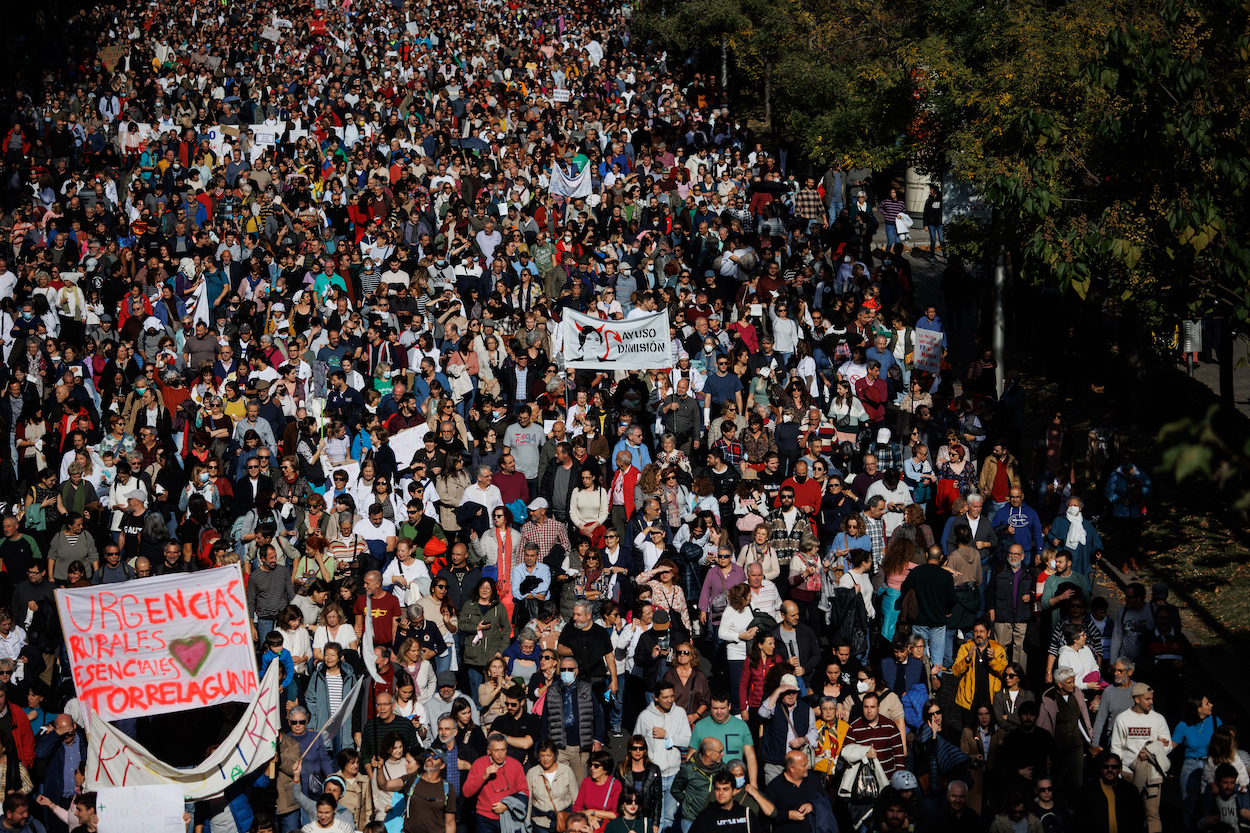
(724, 63)
(768, 93)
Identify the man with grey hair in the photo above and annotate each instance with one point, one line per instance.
(955, 813)
(693, 785)
(1062, 712)
(483, 492)
(1117, 698)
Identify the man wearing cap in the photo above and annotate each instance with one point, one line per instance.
(431, 804)
(1141, 740)
(789, 725)
(439, 706)
(544, 531)
(253, 422)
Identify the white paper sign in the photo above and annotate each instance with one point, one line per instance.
(561, 96)
(150, 809)
(405, 444)
(928, 351)
(270, 33)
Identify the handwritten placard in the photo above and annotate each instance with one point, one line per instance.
(160, 645)
(154, 809)
(928, 351)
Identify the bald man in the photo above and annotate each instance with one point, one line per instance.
(384, 609)
(794, 792)
(63, 749)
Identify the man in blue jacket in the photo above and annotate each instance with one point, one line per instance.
(63, 749)
(1023, 525)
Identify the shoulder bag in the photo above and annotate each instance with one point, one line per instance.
(561, 816)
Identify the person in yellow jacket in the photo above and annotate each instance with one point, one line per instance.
(831, 729)
(979, 665)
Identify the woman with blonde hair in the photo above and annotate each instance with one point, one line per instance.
(759, 549)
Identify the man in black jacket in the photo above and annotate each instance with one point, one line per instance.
(797, 644)
(564, 472)
(1010, 604)
(1095, 812)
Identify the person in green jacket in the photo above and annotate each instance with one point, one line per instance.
(692, 787)
(487, 630)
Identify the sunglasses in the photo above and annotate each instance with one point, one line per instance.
(683, 653)
(637, 749)
(299, 722)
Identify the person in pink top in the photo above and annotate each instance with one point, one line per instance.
(495, 776)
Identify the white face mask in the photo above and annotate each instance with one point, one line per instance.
(1074, 513)
(1051, 563)
(862, 686)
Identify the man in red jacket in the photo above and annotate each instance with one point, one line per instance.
(873, 394)
(496, 776)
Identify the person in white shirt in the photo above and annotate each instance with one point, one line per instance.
(1141, 738)
(667, 731)
(764, 596)
(406, 571)
(897, 497)
(856, 578)
(483, 492)
(378, 533)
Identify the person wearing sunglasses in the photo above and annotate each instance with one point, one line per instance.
(303, 747)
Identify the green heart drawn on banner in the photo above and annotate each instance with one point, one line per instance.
(191, 653)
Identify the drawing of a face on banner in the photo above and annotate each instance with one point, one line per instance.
(633, 344)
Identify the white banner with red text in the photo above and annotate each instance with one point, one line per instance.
(160, 645)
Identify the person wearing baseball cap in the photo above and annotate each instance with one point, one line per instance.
(1141, 739)
(789, 725)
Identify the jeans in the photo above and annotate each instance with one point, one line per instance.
(485, 825)
(891, 235)
(476, 678)
(835, 208)
(263, 627)
(669, 813)
(934, 641)
(289, 822)
(735, 678)
(442, 662)
(1191, 786)
(616, 706)
(686, 824)
(936, 236)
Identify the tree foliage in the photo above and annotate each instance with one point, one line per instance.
(1110, 138)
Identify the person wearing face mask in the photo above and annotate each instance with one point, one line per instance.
(1071, 531)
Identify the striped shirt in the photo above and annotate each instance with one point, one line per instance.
(884, 738)
(334, 688)
(891, 209)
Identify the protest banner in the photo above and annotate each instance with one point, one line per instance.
(160, 645)
(636, 344)
(560, 96)
(270, 33)
(563, 185)
(117, 760)
(152, 809)
(928, 351)
(110, 55)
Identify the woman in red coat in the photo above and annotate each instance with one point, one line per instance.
(761, 658)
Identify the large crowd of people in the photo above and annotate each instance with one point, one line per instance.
(254, 249)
